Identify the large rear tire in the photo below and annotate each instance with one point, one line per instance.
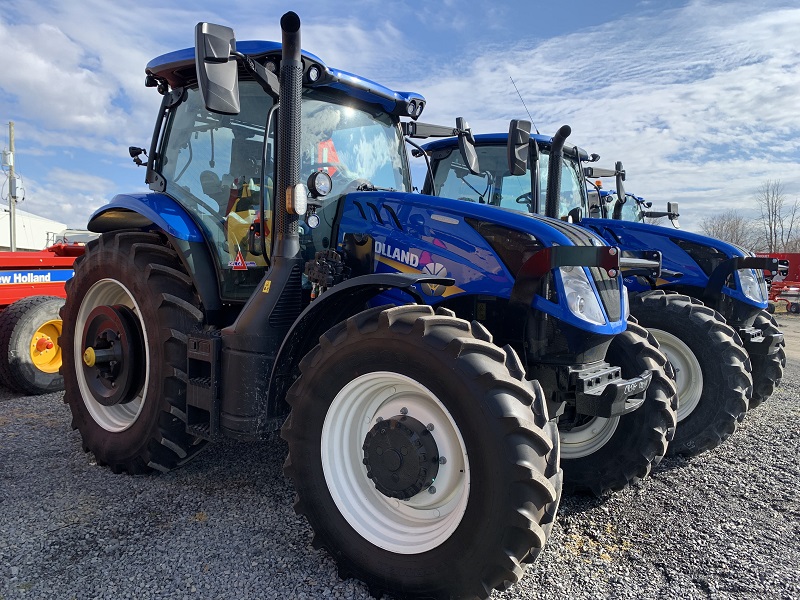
(712, 368)
(767, 370)
(456, 408)
(130, 293)
(600, 455)
(30, 356)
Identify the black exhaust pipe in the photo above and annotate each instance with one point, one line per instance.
(288, 242)
(621, 199)
(250, 345)
(554, 171)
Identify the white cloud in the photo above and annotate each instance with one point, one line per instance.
(700, 103)
(67, 196)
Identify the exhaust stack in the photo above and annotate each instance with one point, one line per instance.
(291, 75)
(554, 171)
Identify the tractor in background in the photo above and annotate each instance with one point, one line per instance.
(705, 306)
(731, 281)
(599, 452)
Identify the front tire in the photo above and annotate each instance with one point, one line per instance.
(600, 455)
(712, 368)
(767, 370)
(430, 381)
(130, 295)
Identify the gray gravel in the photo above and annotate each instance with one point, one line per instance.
(723, 525)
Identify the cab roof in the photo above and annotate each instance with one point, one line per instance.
(178, 69)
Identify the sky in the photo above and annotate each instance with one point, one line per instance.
(700, 99)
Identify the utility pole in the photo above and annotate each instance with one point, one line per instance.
(12, 188)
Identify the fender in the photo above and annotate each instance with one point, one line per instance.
(149, 212)
(332, 307)
(140, 210)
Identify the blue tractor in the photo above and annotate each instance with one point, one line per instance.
(743, 304)
(606, 204)
(247, 293)
(705, 306)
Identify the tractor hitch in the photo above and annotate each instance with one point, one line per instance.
(600, 390)
(756, 343)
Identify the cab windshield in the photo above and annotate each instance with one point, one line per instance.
(629, 211)
(218, 167)
(496, 186)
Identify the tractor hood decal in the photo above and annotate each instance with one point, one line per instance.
(396, 254)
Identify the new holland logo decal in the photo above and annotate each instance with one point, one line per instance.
(415, 261)
(407, 257)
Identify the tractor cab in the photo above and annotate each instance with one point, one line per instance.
(495, 184)
(220, 168)
(215, 173)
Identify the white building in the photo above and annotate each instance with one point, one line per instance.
(32, 230)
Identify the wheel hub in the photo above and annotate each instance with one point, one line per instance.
(113, 354)
(401, 457)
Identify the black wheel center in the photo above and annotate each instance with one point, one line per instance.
(401, 457)
(113, 355)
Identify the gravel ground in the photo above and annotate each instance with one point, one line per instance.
(723, 525)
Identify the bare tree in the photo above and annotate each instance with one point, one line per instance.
(730, 226)
(779, 219)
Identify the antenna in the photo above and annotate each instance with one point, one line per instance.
(523, 103)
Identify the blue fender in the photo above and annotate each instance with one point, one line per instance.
(139, 210)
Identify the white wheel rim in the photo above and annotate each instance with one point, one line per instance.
(119, 417)
(408, 526)
(688, 374)
(588, 438)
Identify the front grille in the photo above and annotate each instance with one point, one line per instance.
(609, 292)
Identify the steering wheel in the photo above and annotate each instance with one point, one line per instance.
(526, 198)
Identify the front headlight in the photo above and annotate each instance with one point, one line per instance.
(750, 285)
(580, 295)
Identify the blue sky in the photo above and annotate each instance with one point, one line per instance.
(699, 99)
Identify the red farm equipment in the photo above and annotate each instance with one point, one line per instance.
(784, 285)
(31, 294)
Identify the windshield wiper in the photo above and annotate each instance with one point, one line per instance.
(368, 187)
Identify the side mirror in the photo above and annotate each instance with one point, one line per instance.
(217, 74)
(673, 214)
(466, 145)
(519, 139)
